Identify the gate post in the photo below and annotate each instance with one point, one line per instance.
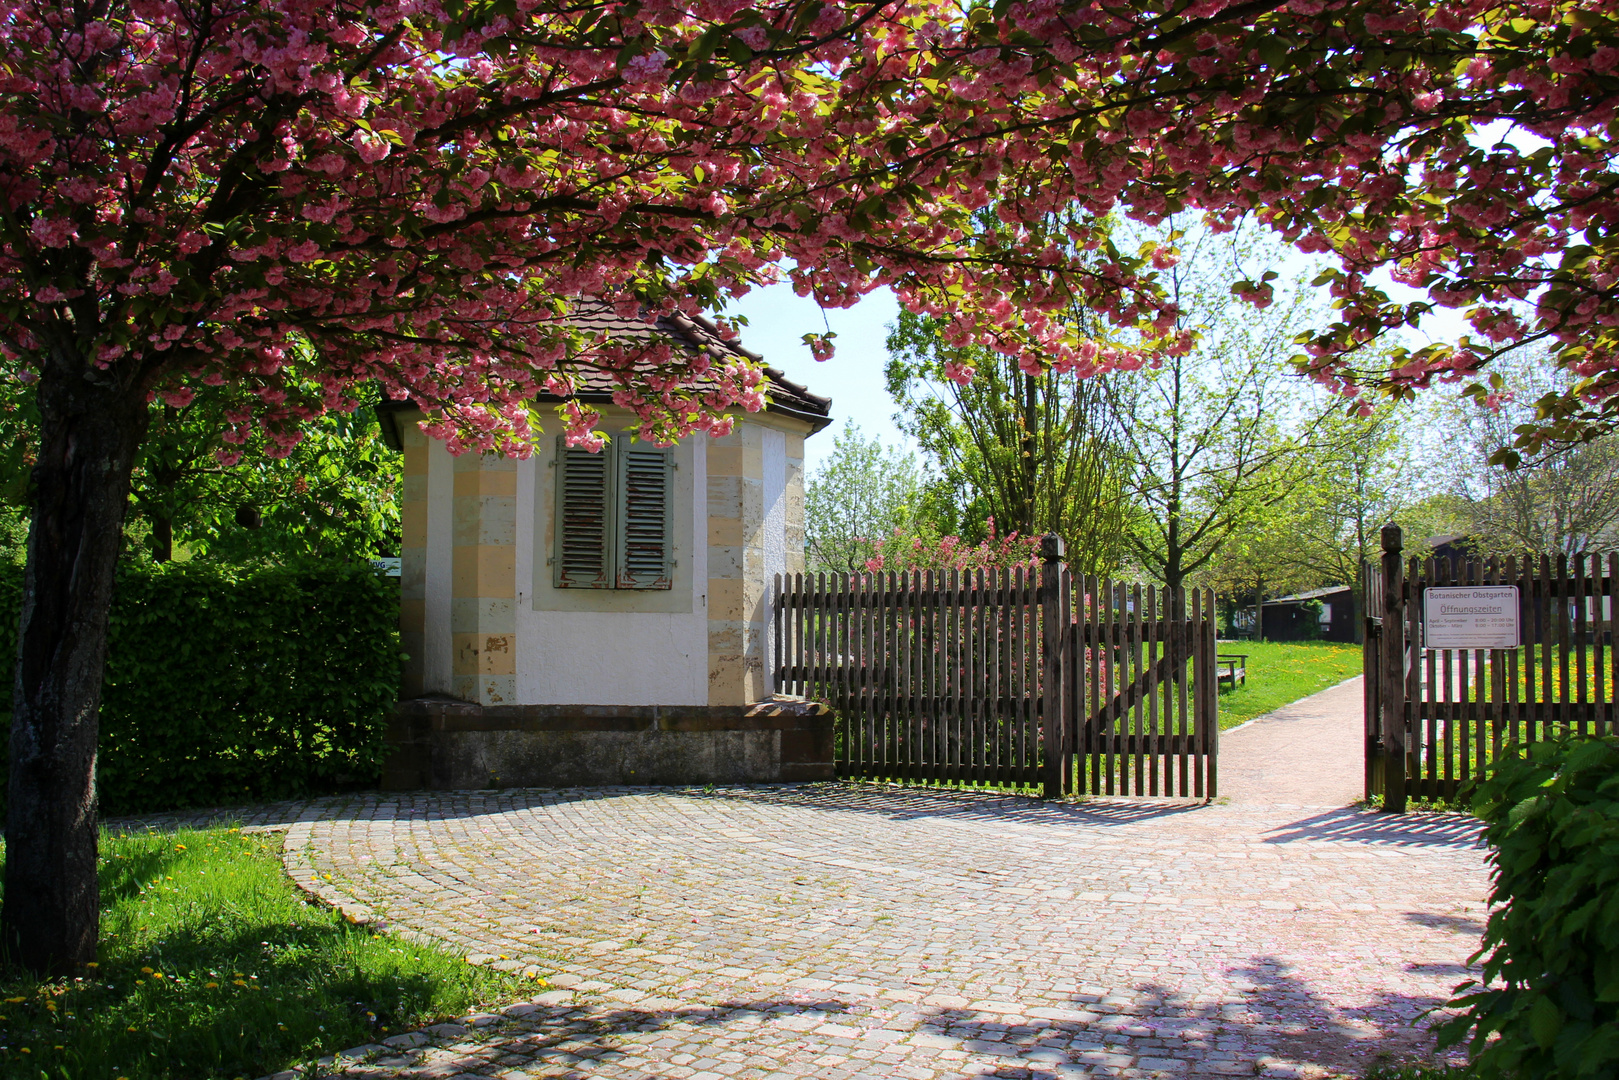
(1392, 643)
(1053, 635)
(1371, 670)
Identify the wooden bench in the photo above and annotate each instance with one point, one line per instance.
(1233, 668)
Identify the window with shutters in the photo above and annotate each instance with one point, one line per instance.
(614, 518)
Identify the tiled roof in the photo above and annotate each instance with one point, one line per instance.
(784, 395)
(697, 334)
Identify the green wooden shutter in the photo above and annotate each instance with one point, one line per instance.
(645, 526)
(584, 519)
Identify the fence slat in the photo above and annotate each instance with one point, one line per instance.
(1498, 679)
(1612, 603)
(1413, 690)
(1211, 696)
(1565, 636)
(1183, 647)
(999, 687)
(1020, 673)
(1440, 735)
(1581, 629)
(1137, 677)
(1602, 632)
(888, 672)
(1511, 659)
(874, 659)
(910, 598)
(799, 687)
(1107, 714)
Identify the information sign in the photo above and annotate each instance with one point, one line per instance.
(1470, 617)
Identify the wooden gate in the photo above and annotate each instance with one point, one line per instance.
(1007, 678)
(1436, 717)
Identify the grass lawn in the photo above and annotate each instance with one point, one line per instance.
(1283, 672)
(212, 965)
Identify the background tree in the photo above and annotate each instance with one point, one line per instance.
(1031, 453)
(1561, 500)
(1357, 475)
(1215, 434)
(1254, 564)
(334, 494)
(860, 495)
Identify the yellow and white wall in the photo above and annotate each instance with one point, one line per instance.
(481, 622)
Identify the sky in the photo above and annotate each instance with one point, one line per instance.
(852, 378)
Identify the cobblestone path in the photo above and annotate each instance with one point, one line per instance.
(861, 931)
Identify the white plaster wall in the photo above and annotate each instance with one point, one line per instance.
(436, 646)
(774, 454)
(614, 657)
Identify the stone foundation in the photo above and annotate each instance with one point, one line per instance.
(445, 744)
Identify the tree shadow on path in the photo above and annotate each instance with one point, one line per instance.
(1275, 1020)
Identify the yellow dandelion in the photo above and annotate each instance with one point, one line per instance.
(146, 971)
(210, 986)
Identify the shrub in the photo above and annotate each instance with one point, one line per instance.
(233, 685)
(1551, 946)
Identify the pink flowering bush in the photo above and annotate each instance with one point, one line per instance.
(919, 550)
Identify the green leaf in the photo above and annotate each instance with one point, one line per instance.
(1545, 1021)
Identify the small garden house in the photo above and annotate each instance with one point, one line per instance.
(1321, 614)
(581, 618)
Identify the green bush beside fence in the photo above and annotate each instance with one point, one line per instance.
(228, 685)
(1551, 947)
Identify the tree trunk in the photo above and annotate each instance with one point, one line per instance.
(162, 539)
(90, 430)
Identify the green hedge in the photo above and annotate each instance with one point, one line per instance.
(229, 685)
(1550, 987)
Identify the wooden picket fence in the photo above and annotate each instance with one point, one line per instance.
(1010, 678)
(1436, 717)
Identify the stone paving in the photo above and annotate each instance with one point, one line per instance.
(866, 931)
(862, 931)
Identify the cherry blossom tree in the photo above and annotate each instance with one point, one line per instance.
(286, 199)
(290, 198)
